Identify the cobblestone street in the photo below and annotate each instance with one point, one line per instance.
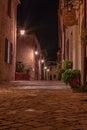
(42, 109)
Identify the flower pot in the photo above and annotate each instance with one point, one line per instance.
(21, 76)
(75, 81)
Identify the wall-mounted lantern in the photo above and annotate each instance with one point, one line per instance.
(22, 32)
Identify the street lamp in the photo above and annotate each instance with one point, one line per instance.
(36, 52)
(22, 32)
(42, 61)
(48, 70)
(36, 64)
(45, 68)
(42, 68)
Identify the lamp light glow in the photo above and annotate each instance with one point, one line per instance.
(48, 70)
(45, 67)
(22, 32)
(36, 52)
(42, 61)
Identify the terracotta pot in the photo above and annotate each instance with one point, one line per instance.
(21, 76)
(75, 81)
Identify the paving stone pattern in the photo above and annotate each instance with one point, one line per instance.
(42, 109)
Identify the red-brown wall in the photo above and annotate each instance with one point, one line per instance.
(7, 31)
(26, 54)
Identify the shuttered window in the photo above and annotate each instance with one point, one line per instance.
(8, 52)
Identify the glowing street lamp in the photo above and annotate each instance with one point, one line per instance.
(42, 61)
(45, 67)
(36, 52)
(48, 70)
(36, 64)
(42, 68)
(22, 32)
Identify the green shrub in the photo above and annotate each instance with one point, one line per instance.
(84, 87)
(67, 64)
(19, 67)
(69, 74)
(60, 71)
(27, 71)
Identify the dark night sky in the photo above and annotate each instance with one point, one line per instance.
(40, 16)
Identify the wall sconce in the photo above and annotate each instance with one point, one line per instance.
(45, 67)
(48, 70)
(36, 52)
(42, 61)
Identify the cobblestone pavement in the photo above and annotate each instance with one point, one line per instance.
(41, 109)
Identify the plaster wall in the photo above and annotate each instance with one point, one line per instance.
(7, 31)
(26, 54)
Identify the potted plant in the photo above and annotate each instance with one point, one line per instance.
(84, 87)
(84, 36)
(60, 71)
(21, 72)
(19, 66)
(71, 77)
(27, 72)
(67, 64)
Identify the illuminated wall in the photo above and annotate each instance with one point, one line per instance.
(8, 11)
(26, 46)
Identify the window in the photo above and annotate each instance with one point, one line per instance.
(9, 8)
(8, 52)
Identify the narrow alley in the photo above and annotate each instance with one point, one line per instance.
(41, 106)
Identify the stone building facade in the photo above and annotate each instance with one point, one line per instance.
(8, 13)
(71, 30)
(27, 45)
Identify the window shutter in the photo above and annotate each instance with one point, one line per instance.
(8, 52)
